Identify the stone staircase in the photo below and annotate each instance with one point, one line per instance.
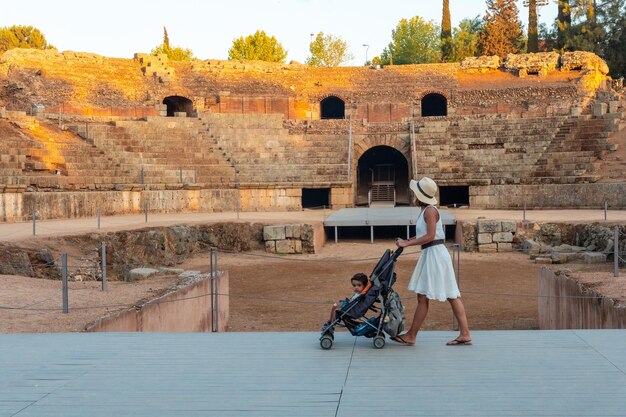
(611, 166)
(263, 151)
(163, 152)
(477, 151)
(570, 155)
(40, 155)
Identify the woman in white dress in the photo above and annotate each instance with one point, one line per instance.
(433, 277)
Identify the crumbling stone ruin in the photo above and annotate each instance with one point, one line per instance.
(82, 133)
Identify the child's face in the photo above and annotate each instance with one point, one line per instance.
(357, 285)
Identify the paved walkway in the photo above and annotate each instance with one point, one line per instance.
(50, 228)
(505, 373)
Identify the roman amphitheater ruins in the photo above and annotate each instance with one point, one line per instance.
(82, 132)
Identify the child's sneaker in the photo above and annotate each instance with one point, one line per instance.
(325, 326)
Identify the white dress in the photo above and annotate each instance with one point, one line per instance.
(434, 273)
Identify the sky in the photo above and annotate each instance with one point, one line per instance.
(119, 28)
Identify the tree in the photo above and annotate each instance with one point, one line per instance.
(176, 53)
(22, 37)
(465, 38)
(446, 33)
(563, 22)
(328, 51)
(533, 29)
(502, 33)
(166, 38)
(612, 16)
(258, 46)
(414, 41)
(584, 33)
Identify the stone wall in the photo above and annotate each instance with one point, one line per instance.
(566, 304)
(495, 235)
(17, 207)
(270, 199)
(294, 238)
(380, 94)
(182, 309)
(549, 196)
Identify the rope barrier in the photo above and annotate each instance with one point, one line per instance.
(285, 300)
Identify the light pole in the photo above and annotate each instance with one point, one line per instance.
(312, 34)
(367, 47)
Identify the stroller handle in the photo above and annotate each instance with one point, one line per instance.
(397, 253)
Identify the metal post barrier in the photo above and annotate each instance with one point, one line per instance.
(145, 209)
(180, 173)
(34, 219)
(141, 176)
(524, 219)
(606, 205)
(616, 251)
(64, 289)
(104, 265)
(238, 199)
(98, 218)
(214, 281)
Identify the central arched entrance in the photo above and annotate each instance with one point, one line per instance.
(178, 104)
(383, 178)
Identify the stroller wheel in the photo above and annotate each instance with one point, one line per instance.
(326, 342)
(379, 342)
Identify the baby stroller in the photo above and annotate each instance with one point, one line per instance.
(377, 297)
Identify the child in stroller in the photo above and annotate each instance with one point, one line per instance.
(359, 283)
(378, 296)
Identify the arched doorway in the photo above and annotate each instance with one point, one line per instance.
(332, 107)
(434, 105)
(176, 104)
(383, 177)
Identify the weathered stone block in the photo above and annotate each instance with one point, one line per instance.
(139, 274)
(293, 231)
(531, 247)
(506, 237)
(489, 226)
(488, 248)
(274, 232)
(599, 109)
(270, 246)
(505, 247)
(298, 245)
(285, 246)
(543, 260)
(594, 257)
(509, 226)
(484, 238)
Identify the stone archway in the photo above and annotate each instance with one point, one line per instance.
(178, 104)
(382, 177)
(332, 107)
(434, 104)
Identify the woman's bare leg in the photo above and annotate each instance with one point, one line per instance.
(459, 313)
(418, 319)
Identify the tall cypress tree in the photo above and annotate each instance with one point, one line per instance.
(563, 22)
(533, 33)
(446, 33)
(166, 39)
(533, 37)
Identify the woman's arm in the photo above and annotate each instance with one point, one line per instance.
(430, 217)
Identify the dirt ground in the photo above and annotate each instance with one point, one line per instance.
(284, 293)
(294, 293)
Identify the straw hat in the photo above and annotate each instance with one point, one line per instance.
(425, 190)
